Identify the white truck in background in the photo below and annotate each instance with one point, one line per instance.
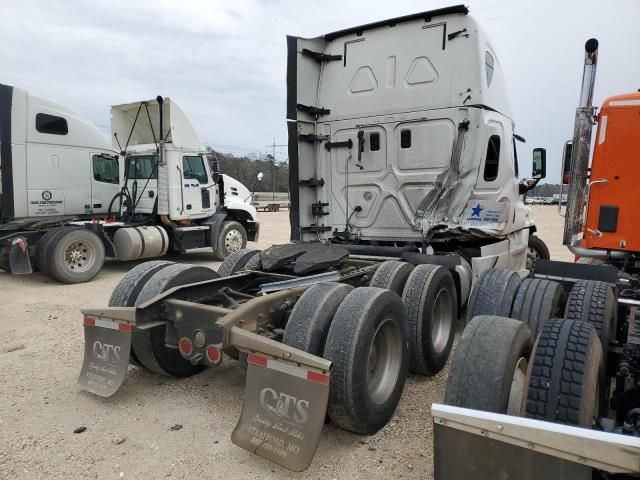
(70, 198)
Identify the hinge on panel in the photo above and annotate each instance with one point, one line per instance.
(312, 182)
(330, 145)
(313, 110)
(320, 57)
(315, 229)
(310, 137)
(317, 209)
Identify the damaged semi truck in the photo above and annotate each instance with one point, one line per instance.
(545, 382)
(71, 198)
(404, 189)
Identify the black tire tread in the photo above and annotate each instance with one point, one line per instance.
(414, 296)
(236, 261)
(482, 367)
(566, 356)
(358, 310)
(391, 275)
(594, 302)
(538, 300)
(126, 291)
(311, 317)
(143, 340)
(493, 293)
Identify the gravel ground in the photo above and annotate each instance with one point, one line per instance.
(129, 435)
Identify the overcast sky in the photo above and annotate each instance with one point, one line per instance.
(224, 62)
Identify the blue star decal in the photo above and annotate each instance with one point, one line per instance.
(475, 211)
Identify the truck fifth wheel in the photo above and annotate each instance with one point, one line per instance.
(404, 190)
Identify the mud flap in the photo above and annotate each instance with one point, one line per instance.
(283, 412)
(19, 262)
(106, 355)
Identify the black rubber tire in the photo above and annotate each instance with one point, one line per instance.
(563, 379)
(493, 293)
(52, 255)
(349, 339)
(311, 317)
(487, 354)
(126, 292)
(391, 275)
(148, 344)
(223, 251)
(428, 355)
(538, 300)
(44, 248)
(254, 263)
(236, 261)
(591, 261)
(541, 250)
(594, 302)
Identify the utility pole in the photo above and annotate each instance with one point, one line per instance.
(273, 166)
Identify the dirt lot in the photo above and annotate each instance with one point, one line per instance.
(41, 404)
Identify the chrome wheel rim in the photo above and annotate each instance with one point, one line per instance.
(518, 387)
(442, 320)
(79, 256)
(233, 240)
(384, 361)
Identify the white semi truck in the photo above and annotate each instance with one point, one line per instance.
(70, 197)
(404, 189)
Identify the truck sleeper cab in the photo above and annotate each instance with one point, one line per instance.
(401, 133)
(70, 199)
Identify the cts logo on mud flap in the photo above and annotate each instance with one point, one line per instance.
(285, 406)
(106, 352)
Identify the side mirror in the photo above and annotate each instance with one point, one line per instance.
(566, 162)
(539, 163)
(260, 176)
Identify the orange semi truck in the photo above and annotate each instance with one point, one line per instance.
(612, 222)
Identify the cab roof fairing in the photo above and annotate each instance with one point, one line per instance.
(178, 130)
(467, 69)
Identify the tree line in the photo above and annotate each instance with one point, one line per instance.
(275, 174)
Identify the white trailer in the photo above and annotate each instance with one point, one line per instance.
(70, 197)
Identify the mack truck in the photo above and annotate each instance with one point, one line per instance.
(404, 190)
(70, 197)
(545, 382)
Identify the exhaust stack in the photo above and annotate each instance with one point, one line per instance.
(576, 196)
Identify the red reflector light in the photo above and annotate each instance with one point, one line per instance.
(185, 346)
(124, 327)
(318, 377)
(89, 321)
(257, 360)
(213, 354)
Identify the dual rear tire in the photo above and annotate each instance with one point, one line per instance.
(352, 328)
(142, 283)
(70, 254)
(496, 370)
(535, 364)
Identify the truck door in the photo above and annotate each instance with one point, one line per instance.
(197, 186)
(105, 180)
(142, 181)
